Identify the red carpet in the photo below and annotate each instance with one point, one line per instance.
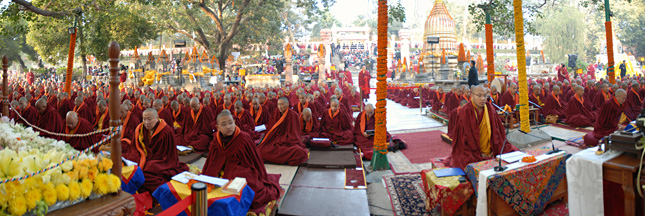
(424, 146)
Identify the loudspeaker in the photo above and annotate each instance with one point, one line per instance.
(572, 60)
(528, 61)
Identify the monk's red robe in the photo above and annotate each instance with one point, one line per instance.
(553, 106)
(579, 115)
(50, 121)
(590, 94)
(466, 144)
(138, 112)
(245, 122)
(411, 101)
(309, 129)
(451, 103)
(102, 120)
(600, 99)
(337, 127)
(452, 121)
(52, 101)
(178, 124)
(81, 143)
(508, 99)
(196, 130)
(260, 116)
(282, 143)
(237, 156)
(321, 100)
(634, 101)
(166, 115)
(347, 108)
(64, 106)
(607, 122)
(439, 99)
(85, 111)
(156, 154)
(366, 144)
(495, 98)
(130, 123)
(30, 114)
(536, 99)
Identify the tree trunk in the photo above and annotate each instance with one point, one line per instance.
(84, 60)
(22, 64)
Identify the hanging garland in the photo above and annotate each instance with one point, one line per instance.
(380, 136)
(521, 66)
(70, 62)
(489, 52)
(610, 52)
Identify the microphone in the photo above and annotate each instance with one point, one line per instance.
(499, 108)
(499, 167)
(534, 104)
(554, 150)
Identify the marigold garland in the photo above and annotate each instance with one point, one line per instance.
(70, 63)
(380, 136)
(489, 52)
(521, 66)
(610, 52)
(462, 55)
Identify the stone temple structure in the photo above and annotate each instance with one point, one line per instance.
(440, 24)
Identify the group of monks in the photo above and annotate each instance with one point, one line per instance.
(220, 123)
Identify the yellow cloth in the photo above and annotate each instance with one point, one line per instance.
(176, 125)
(127, 171)
(623, 119)
(450, 182)
(184, 191)
(484, 133)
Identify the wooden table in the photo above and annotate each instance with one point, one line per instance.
(623, 170)
(111, 204)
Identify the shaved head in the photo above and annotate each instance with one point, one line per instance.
(157, 104)
(41, 105)
(150, 118)
(225, 123)
(71, 120)
(369, 110)
(620, 96)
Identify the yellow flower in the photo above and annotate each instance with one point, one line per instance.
(29, 183)
(107, 164)
(18, 206)
(62, 192)
(86, 188)
(3, 201)
(82, 172)
(32, 197)
(73, 176)
(74, 190)
(49, 193)
(92, 163)
(14, 188)
(114, 183)
(91, 173)
(101, 184)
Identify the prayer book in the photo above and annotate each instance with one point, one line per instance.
(320, 139)
(183, 177)
(448, 172)
(183, 148)
(235, 186)
(512, 157)
(219, 182)
(260, 128)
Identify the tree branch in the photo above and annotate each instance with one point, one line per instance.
(210, 13)
(236, 24)
(43, 12)
(199, 30)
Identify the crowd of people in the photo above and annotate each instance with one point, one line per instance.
(219, 122)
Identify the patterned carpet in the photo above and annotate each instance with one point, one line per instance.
(406, 194)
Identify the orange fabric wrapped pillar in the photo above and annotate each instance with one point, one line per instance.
(489, 52)
(70, 63)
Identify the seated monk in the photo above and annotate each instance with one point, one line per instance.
(49, 119)
(282, 143)
(439, 99)
(178, 116)
(302, 104)
(452, 100)
(611, 117)
(83, 110)
(602, 96)
(234, 154)
(554, 105)
(155, 150)
(579, 115)
(336, 125)
(309, 126)
(453, 119)
(77, 125)
(130, 123)
(259, 113)
(244, 120)
(28, 112)
(479, 133)
(536, 97)
(163, 113)
(102, 116)
(366, 121)
(413, 102)
(494, 95)
(510, 98)
(634, 102)
(197, 131)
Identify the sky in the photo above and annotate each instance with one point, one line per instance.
(347, 10)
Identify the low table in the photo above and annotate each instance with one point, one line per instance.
(448, 194)
(623, 170)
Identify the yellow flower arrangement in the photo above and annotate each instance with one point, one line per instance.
(82, 172)
(114, 183)
(73, 176)
(32, 197)
(74, 190)
(86, 188)
(91, 173)
(101, 184)
(18, 205)
(49, 193)
(62, 192)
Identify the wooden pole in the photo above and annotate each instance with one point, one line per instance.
(115, 152)
(5, 88)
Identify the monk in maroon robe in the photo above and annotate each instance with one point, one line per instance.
(634, 100)
(578, 114)
(197, 130)
(510, 97)
(454, 118)
(553, 104)
(102, 115)
(49, 120)
(259, 113)
(83, 110)
(130, 123)
(536, 97)
(309, 126)
(439, 99)
(282, 143)
(245, 120)
(602, 96)
(611, 117)
(302, 104)
(64, 104)
(234, 154)
(178, 115)
(452, 101)
(163, 113)
(77, 125)
(28, 112)
(494, 95)
(413, 102)
(364, 122)
(479, 135)
(155, 150)
(336, 125)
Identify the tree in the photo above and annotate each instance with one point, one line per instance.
(325, 20)
(99, 22)
(563, 30)
(13, 44)
(629, 22)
